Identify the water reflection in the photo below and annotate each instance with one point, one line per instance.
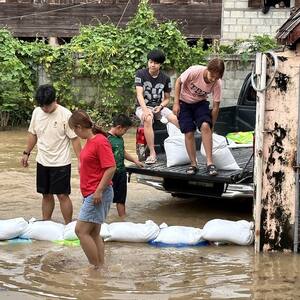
(45, 270)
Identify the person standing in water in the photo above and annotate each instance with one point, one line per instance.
(97, 167)
(121, 123)
(49, 130)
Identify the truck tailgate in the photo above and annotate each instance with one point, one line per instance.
(243, 157)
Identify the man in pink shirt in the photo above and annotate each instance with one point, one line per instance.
(192, 108)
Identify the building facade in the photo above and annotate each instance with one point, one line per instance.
(245, 18)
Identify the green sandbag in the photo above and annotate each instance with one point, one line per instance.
(74, 243)
(241, 137)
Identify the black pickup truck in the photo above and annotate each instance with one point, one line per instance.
(174, 180)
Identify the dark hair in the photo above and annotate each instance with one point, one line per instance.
(80, 117)
(122, 120)
(45, 94)
(216, 66)
(157, 56)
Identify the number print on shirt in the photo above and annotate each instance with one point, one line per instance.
(153, 94)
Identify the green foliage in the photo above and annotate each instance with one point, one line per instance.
(106, 57)
(15, 81)
(262, 43)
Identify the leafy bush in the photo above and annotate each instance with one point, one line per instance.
(15, 82)
(107, 57)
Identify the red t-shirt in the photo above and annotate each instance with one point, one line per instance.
(95, 157)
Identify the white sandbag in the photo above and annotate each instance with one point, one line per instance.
(176, 151)
(132, 232)
(179, 235)
(12, 228)
(173, 130)
(104, 231)
(69, 231)
(236, 232)
(44, 231)
(222, 156)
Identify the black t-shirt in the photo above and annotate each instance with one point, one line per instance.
(153, 87)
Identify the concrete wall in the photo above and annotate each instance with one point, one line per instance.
(235, 73)
(241, 22)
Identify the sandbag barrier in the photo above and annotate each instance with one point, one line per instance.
(219, 231)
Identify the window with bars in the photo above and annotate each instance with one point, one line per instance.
(273, 3)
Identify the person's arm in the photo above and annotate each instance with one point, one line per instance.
(141, 100)
(76, 146)
(31, 142)
(140, 96)
(216, 96)
(176, 106)
(215, 112)
(163, 104)
(106, 178)
(129, 157)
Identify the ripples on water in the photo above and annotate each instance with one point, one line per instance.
(131, 271)
(45, 270)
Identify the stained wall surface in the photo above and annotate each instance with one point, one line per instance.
(279, 150)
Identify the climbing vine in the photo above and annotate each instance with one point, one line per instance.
(106, 57)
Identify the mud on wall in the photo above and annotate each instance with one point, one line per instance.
(280, 144)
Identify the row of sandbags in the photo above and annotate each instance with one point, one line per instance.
(216, 230)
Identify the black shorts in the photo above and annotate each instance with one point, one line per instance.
(120, 187)
(192, 115)
(53, 180)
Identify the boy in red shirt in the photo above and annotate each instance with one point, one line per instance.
(192, 108)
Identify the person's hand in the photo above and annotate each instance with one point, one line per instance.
(97, 197)
(157, 109)
(176, 109)
(146, 112)
(24, 160)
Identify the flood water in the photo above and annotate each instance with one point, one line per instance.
(45, 270)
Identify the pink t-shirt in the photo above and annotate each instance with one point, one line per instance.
(195, 89)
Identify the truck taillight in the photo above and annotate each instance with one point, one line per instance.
(140, 137)
(142, 149)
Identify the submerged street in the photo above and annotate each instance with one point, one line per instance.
(45, 270)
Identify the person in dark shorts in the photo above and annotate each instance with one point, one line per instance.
(153, 89)
(192, 108)
(121, 124)
(49, 130)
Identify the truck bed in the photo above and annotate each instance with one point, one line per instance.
(243, 157)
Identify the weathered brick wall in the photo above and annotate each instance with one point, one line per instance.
(235, 73)
(241, 22)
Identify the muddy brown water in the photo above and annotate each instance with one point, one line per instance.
(45, 270)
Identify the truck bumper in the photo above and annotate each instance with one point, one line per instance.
(232, 191)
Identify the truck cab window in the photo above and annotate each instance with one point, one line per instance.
(251, 95)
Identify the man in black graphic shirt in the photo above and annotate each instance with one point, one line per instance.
(153, 89)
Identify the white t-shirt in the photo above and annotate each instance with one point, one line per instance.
(53, 136)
